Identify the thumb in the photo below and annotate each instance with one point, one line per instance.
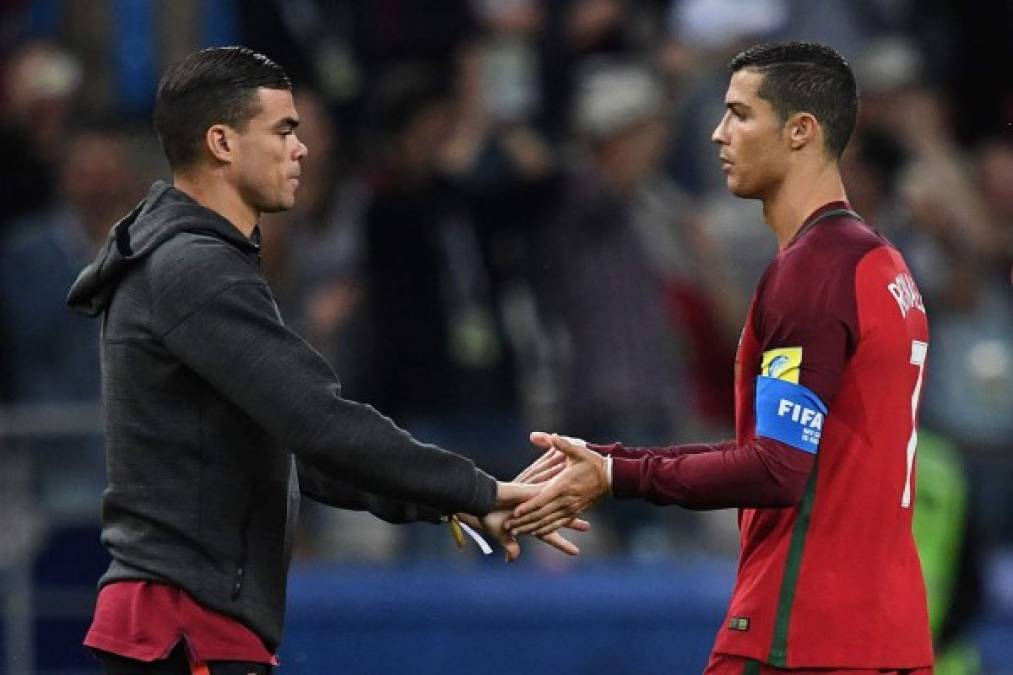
(541, 439)
(567, 448)
(511, 494)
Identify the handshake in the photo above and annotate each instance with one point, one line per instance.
(546, 496)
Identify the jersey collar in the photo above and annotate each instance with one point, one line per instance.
(815, 219)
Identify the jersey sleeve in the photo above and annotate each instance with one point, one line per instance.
(806, 327)
(805, 321)
(620, 451)
(761, 473)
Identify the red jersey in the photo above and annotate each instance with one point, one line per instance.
(828, 378)
(836, 582)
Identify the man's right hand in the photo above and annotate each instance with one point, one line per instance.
(575, 488)
(527, 484)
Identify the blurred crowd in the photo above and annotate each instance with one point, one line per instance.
(512, 218)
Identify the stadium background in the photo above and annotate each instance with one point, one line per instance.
(511, 218)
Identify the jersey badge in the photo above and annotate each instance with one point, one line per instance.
(782, 364)
(738, 623)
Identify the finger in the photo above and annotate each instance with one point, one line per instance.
(511, 548)
(522, 477)
(512, 494)
(550, 457)
(568, 506)
(564, 509)
(558, 541)
(538, 462)
(547, 473)
(578, 524)
(551, 526)
(546, 495)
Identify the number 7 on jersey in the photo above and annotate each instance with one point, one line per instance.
(918, 351)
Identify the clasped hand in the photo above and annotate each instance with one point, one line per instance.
(547, 496)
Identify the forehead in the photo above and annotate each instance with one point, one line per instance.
(744, 87)
(275, 104)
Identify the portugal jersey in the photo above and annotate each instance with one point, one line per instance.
(831, 361)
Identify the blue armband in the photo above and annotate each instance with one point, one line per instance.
(789, 413)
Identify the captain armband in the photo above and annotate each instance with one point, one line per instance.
(789, 413)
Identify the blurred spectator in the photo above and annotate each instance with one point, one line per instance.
(52, 355)
(441, 365)
(995, 174)
(579, 31)
(343, 47)
(602, 292)
(39, 82)
(122, 46)
(600, 283)
(975, 75)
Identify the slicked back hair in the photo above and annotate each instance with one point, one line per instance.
(806, 77)
(212, 86)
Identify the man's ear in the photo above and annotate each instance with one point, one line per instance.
(802, 129)
(220, 141)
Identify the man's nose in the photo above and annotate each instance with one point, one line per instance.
(719, 136)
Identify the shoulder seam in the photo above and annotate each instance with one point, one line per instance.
(203, 303)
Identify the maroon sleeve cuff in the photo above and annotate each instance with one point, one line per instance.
(625, 477)
(611, 450)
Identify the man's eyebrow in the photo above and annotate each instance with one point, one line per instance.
(731, 105)
(290, 122)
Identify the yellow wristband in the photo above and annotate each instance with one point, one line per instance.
(455, 529)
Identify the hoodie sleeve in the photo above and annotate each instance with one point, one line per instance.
(320, 487)
(215, 313)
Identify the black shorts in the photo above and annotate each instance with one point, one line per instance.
(177, 663)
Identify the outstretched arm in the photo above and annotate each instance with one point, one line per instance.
(323, 488)
(761, 473)
(543, 440)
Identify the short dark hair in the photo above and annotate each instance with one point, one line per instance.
(212, 86)
(806, 77)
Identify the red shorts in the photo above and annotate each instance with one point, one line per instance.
(723, 664)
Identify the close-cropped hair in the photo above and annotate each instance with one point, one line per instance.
(806, 77)
(213, 86)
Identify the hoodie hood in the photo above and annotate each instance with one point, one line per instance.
(161, 215)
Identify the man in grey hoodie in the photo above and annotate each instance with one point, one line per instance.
(217, 416)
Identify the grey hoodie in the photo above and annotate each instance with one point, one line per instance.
(217, 417)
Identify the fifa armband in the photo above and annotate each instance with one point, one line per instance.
(789, 413)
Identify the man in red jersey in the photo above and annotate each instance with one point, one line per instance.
(828, 377)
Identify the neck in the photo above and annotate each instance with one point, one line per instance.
(211, 190)
(798, 197)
